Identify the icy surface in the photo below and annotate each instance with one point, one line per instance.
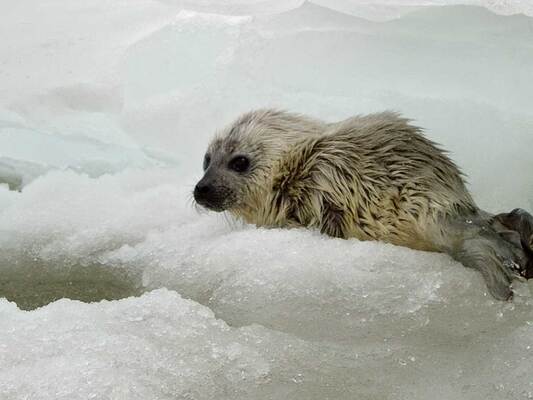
(105, 113)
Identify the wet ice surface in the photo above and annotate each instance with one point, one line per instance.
(104, 118)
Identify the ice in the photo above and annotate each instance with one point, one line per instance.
(117, 287)
(310, 16)
(156, 346)
(275, 63)
(385, 10)
(26, 159)
(310, 316)
(236, 7)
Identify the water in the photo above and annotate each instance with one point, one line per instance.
(31, 290)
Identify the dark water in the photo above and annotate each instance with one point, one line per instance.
(33, 289)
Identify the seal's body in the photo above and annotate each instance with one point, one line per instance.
(373, 177)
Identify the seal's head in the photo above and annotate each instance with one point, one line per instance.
(239, 161)
(227, 167)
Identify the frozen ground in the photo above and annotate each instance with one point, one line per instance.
(105, 112)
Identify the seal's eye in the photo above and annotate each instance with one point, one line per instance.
(239, 164)
(207, 161)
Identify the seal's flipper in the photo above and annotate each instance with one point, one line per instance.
(512, 237)
(483, 255)
(518, 223)
(476, 244)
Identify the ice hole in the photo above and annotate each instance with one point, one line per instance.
(31, 287)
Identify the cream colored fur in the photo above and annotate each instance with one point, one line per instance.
(376, 176)
(373, 177)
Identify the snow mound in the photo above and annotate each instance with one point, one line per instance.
(309, 316)
(157, 346)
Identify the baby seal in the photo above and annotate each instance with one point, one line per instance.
(373, 177)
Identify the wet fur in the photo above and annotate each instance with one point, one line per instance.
(373, 177)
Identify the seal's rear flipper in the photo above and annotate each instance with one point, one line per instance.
(519, 221)
(517, 228)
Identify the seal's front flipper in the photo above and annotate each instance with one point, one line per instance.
(477, 244)
(486, 256)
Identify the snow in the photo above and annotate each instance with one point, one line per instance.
(105, 113)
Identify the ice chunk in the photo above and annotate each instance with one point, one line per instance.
(236, 7)
(17, 174)
(384, 10)
(53, 49)
(311, 16)
(166, 54)
(152, 347)
(24, 146)
(22, 158)
(373, 11)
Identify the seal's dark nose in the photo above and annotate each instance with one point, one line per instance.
(202, 191)
(210, 195)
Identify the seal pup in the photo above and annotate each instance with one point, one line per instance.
(373, 177)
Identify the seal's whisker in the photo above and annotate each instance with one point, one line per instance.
(191, 202)
(231, 222)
